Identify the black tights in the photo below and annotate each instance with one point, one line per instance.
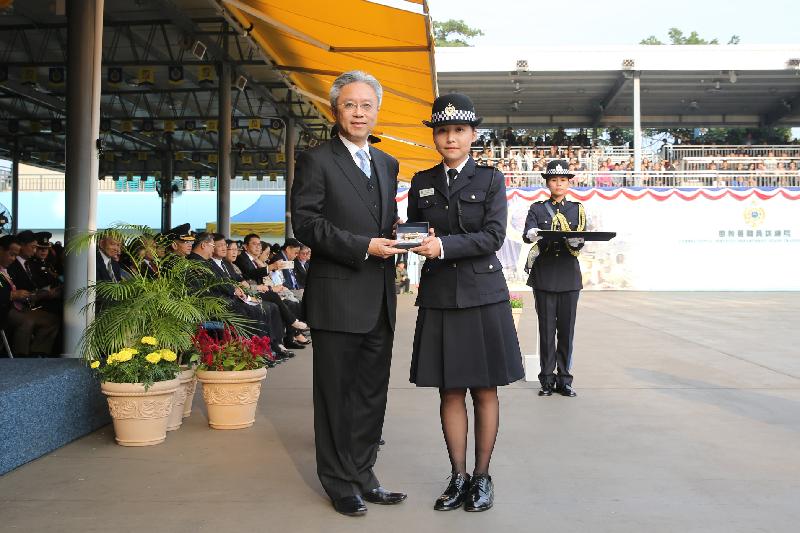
(453, 412)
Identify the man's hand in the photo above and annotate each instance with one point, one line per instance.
(238, 292)
(20, 294)
(430, 248)
(262, 288)
(278, 288)
(383, 248)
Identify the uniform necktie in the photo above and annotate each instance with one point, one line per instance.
(110, 269)
(363, 163)
(451, 175)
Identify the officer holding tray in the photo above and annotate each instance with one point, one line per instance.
(555, 276)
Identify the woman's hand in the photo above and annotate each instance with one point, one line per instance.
(430, 248)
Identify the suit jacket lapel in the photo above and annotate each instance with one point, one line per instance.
(348, 167)
(463, 178)
(385, 183)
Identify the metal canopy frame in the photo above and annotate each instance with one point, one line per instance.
(145, 121)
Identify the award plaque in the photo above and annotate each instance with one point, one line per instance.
(410, 234)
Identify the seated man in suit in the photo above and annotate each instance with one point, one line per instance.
(287, 254)
(108, 254)
(32, 331)
(301, 264)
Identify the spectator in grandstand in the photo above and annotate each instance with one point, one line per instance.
(555, 277)
(31, 330)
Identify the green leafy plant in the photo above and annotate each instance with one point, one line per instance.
(168, 305)
(143, 362)
(516, 301)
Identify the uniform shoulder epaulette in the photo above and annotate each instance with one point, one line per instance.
(481, 165)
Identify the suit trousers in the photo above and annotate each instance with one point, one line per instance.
(351, 378)
(556, 312)
(34, 332)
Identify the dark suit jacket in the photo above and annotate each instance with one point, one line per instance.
(21, 279)
(288, 273)
(300, 273)
(555, 269)
(102, 273)
(249, 269)
(332, 213)
(470, 219)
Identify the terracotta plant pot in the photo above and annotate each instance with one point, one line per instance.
(191, 386)
(231, 397)
(176, 416)
(516, 314)
(140, 417)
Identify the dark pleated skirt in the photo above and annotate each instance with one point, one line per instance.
(472, 347)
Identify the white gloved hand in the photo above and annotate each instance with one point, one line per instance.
(575, 242)
(532, 234)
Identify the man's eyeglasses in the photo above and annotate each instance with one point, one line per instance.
(351, 107)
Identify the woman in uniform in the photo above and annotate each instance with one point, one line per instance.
(465, 337)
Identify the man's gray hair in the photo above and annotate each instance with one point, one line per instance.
(354, 76)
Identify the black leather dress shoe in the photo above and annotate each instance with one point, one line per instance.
(382, 496)
(566, 390)
(546, 390)
(350, 506)
(454, 495)
(481, 494)
(291, 343)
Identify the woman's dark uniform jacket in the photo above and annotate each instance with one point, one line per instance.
(470, 273)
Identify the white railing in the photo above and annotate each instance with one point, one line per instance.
(664, 179)
(672, 151)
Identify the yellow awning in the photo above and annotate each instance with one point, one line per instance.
(313, 41)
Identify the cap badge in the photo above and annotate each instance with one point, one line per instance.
(450, 110)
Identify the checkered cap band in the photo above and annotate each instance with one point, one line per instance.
(460, 114)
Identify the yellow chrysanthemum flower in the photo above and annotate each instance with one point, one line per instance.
(152, 341)
(95, 364)
(122, 356)
(168, 355)
(111, 358)
(153, 357)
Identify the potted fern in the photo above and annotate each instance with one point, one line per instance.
(162, 298)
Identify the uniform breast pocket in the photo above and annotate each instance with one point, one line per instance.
(472, 204)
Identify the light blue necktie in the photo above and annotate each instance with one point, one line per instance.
(364, 163)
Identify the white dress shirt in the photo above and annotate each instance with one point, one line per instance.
(353, 148)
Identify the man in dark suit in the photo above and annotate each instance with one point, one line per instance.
(288, 252)
(301, 264)
(343, 207)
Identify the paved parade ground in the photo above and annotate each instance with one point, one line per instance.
(687, 419)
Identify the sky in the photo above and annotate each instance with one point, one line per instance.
(611, 22)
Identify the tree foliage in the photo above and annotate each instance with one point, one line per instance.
(676, 36)
(453, 33)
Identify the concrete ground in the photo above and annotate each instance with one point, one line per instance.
(687, 419)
